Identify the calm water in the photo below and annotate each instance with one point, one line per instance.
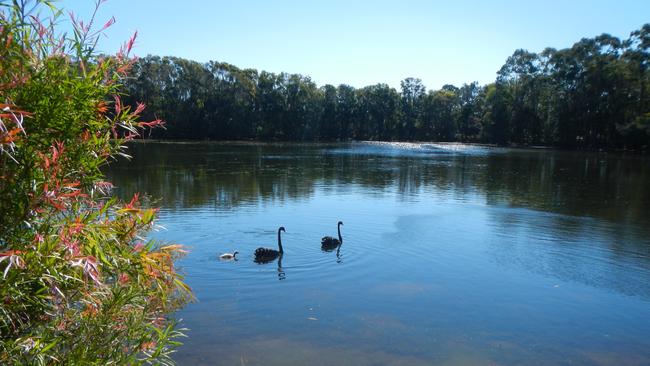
(452, 254)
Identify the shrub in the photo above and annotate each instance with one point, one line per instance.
(79, 284)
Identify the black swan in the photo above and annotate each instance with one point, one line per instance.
(228, 256)
(329, 243)
(268, 254)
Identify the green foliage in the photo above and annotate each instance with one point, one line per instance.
(79, 284)
(496, 114)
(592, 95)
(441, 109)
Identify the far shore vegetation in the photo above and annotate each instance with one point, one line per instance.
(593, 95)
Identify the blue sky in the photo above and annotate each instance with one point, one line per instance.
(362, 42)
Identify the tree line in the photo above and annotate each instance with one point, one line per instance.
(591, 95)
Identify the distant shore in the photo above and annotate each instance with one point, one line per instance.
(644, 151)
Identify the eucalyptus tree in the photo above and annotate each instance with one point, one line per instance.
(521, 74)
(440, 108)
(413, 93)
(379, 115)
(468, 120)
(635, 126)
(330, 126)
(347, 111)
(496, 117)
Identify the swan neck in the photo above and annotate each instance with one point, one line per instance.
(339, 230)
(280, 241)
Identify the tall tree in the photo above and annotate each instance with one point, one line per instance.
(413, 93)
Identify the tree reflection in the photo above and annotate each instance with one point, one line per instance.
(232, 175)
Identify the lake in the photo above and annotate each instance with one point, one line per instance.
(452, 254)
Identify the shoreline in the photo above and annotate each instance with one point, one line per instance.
(643, 152)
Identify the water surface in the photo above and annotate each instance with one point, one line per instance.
(453, 254)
